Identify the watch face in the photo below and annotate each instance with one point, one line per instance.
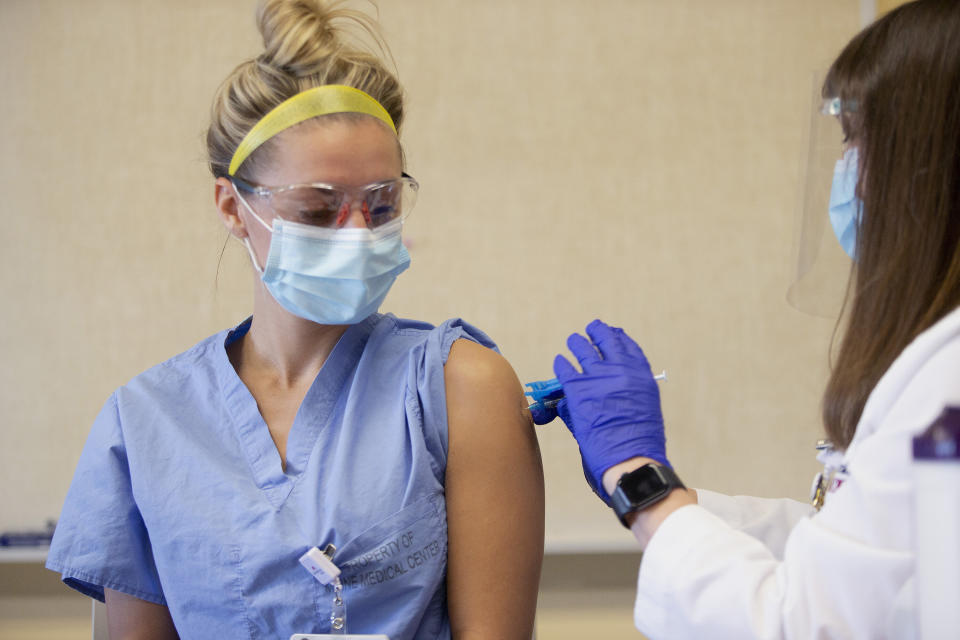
(644, 483)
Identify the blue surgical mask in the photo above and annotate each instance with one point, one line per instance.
(846, 208)
(331, 276)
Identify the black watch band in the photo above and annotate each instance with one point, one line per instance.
(640, 488)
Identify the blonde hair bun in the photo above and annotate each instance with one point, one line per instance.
(307, 43)
(297, 34)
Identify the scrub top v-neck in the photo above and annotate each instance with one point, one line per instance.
(315, 412)
(180, 497)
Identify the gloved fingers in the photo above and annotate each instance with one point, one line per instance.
(564, 370)
(607, 340)
(563, 410)
(584, 350)
(542, 415)
(554, 395)
(630, 346)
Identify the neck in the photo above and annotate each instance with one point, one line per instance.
(288, 347)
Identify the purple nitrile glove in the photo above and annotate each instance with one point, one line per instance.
(613, 407)
(544, 415)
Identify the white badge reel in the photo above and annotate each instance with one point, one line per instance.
(327, 636)
(320, 565)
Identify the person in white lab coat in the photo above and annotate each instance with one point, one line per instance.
(716, 566)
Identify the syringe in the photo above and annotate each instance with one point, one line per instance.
(540, 389)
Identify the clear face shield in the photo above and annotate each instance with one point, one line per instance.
(821, 266)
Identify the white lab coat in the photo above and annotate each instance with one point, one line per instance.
(739, 568)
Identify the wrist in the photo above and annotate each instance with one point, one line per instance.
(644, 492)
(643, 524)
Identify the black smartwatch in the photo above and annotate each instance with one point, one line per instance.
(643, 487)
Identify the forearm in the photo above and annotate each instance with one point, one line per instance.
(769, 520)
(129, 618)
(644, 523)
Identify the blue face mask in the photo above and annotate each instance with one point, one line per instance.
(331, 276)
(845, 208)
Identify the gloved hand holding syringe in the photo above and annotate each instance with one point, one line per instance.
(547, 394)
(611, 404)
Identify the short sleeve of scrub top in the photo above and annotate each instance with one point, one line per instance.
(100, 532)
(180, 498)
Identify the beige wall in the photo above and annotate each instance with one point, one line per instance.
(886, 5)
(634, 160)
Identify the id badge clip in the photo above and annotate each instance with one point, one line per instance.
(320, 564)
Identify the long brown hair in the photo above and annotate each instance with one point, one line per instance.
(902, 74)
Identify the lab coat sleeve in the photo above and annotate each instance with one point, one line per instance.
(769, 520)
(847, 571)
(701, 578)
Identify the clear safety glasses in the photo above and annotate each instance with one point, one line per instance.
(835, 107)
(325, 205)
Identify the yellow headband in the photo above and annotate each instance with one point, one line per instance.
(319, 101)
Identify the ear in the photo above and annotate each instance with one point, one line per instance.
(228, 207)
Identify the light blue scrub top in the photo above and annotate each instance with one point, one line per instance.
(179, 497)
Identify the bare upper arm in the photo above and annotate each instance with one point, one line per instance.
(494, 485)
(130, 618)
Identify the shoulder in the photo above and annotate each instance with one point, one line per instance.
(932, 382)
(933, 348)
(913, 392)
(926, 374)
(484, 395)
(918, 385)
(431, 344)
(172, 376)
(472, 365)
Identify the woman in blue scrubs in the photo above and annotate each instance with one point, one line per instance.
(401, 449)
